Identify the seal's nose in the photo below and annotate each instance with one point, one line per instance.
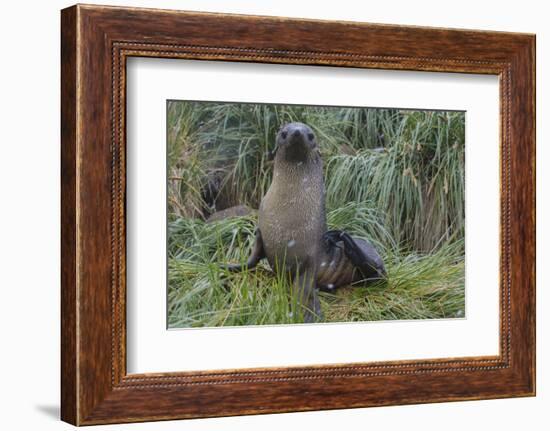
(296, 133)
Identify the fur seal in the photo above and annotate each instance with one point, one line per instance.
(292, 232)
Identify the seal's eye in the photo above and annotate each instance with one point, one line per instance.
(283, 134)
(310, 136)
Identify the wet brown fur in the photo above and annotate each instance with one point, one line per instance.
(292, 222)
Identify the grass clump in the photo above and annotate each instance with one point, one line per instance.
(419, 286)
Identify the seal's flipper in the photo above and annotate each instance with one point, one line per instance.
(365, 257)
(332, 238)
(360, 252)
(303, 289)
(257, 254)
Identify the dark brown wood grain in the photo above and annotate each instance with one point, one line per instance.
(68, 216)
(95, 42)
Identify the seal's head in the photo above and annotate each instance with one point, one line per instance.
(296, 143)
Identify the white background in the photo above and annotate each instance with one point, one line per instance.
(151, 348)
(29, 224)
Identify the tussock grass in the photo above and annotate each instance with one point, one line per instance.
(419, 286)
(394, 177)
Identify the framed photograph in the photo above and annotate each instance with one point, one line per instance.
(263, 214)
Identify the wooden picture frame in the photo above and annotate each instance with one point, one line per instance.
(95, 43)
